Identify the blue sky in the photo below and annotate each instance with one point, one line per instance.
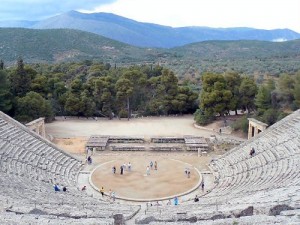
(264, 14)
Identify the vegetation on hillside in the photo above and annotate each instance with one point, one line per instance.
(259, 58)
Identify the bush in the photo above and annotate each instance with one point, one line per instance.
(203, 118)
(241, 124)
(270, 116)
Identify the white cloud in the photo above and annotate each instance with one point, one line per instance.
(264, 14)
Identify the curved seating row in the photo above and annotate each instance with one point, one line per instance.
(29, 167)
(268, 178)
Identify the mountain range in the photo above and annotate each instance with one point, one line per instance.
(147, 34)
(63, 45)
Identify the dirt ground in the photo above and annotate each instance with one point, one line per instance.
(147, 126)
(168, 180)
(72, 145)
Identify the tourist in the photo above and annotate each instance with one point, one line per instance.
(114, 170)
(102, 191)
(83, 188)
(110, 194)
(129, 166)
(148, 171)
(220, 131)
(121, 170)
(89, 160)
(176, 200)
(196, 199)
(155, 165)
(151, 165)
(124, 166)
(113, 195)
(202, 185)
(188, 173)
(252, 152)
(56, 188)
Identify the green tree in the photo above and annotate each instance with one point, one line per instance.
(296, 90)
(248, 90)
(20, 80)
(168, 90)
(138, 80)
(40, 85)
(124, 89)
(263, 99)
(214, 96)
(233, 83)
(32, 106)
(73, 105)
(5, 95)
(284, 91)
(1, 64)
(87, 104)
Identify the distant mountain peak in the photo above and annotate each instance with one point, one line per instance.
(152, 35)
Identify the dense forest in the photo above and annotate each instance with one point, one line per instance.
(96, 89)
(92, 89)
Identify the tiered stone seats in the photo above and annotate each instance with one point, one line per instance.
(269, 178)
(29, 166)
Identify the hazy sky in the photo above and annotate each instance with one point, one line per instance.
(266, 14)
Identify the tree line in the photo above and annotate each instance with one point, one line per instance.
(269, 102)
(92, 89)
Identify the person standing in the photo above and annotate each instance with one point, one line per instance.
(176, 200)
(151, 165)
(121, 169)
(110, 194)
(102, 191)
(113, 195)
(56, 188)
(129, 166)
(155, 165)
(148, 171)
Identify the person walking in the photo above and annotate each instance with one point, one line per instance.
(155, 165)
(148, 171)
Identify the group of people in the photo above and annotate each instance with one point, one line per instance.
(157, 203)
(112, 194)
(128, 167)
(155, 165)
(187, 172)
(57, 188)
(123, 167)
(151, 166)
